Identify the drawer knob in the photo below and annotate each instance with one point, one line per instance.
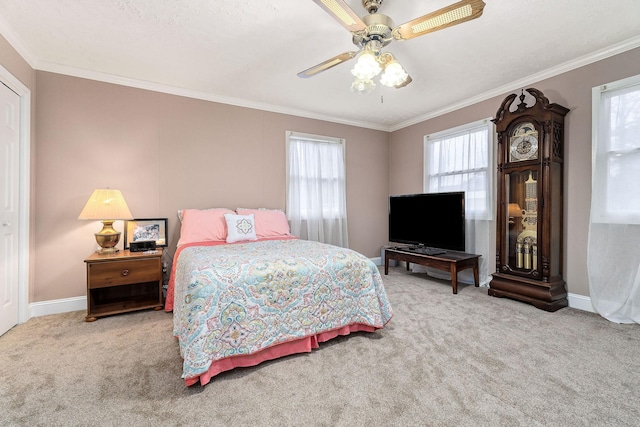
(125, 272)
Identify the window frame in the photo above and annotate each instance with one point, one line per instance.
(334, 211)
(601, 151)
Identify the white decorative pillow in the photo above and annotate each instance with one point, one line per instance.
(240, 228)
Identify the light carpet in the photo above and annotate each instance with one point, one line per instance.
(443, 360)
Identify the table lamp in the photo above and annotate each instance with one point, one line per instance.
(514, 212)
(106, 205)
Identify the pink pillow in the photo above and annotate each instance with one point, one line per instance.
(269, 223)
(203, 225)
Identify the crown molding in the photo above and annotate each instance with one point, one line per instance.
(590, 58)
(189, 93)
(16, 42)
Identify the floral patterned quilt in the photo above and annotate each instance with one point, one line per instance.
(240, 299)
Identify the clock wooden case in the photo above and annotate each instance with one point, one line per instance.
(529, 238)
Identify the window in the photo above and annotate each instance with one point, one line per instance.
(613, 260)
(316, 189)
(616, 148)
(460, 159)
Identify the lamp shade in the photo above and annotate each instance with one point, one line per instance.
(106, 203)
(366, 67)
(394, 75)
(515, 211)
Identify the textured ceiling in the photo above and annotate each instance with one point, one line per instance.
(248, 52)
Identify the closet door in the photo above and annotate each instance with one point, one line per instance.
(9, 185)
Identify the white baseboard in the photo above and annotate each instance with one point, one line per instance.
(44, 308)
(580, 302)
(57, 306)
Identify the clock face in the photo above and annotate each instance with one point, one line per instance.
(523, 144)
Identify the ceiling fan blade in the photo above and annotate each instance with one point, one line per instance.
(404, 83)
(329, 63)
(454, 14)
(343, 14)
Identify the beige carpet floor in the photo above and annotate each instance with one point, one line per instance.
(444, 360)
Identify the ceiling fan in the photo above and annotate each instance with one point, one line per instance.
(373, 32)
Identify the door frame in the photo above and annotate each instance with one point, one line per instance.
(24, 180)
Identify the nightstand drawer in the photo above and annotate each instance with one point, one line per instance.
(105, 274)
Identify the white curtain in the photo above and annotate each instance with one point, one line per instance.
(316, 188)
(461, 159)
(613, 259)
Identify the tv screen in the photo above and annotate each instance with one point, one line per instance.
(434, 220)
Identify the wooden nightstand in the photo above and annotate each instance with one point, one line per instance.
(123, 281)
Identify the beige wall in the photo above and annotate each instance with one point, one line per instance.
(572, 90)
(166, 152)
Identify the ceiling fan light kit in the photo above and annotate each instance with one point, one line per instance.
(367, 66)
(370, 64)
(373, 32)
(394, 75)
(362, 86)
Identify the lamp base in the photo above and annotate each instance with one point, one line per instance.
(108, 238)
(106, 251)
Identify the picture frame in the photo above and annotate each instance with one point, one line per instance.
(154, 229)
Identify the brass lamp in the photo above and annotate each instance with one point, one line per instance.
(106, 205)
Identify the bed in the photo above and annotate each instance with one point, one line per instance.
(240, 301)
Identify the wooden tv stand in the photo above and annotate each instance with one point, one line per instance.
(451, 261)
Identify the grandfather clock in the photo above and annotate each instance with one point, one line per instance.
(529, 243)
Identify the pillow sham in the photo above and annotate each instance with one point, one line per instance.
(269, 222)
(240, 228)
(181, 211)
(203, 225)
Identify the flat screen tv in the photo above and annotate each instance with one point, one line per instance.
(434, 220)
